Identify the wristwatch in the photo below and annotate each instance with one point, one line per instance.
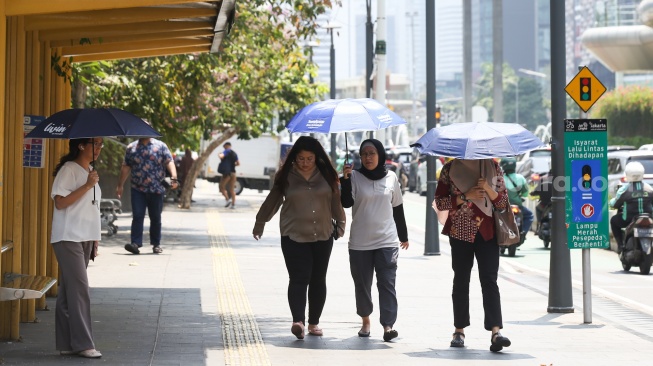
(462, 197)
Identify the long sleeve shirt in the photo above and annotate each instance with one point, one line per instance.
(378, 216)
(307, 209)
(466, 220)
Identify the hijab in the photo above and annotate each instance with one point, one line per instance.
(465, 174)
(379, 172)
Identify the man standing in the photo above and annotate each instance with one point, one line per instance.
(147, 159)
(227, 167)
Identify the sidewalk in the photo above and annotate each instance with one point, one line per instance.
(217, 297)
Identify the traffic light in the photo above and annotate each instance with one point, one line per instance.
(438, 115)
(585, 89)
(586, 176)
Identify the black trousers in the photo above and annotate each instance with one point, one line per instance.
(307, 265)
(462, 261)
(617, 223)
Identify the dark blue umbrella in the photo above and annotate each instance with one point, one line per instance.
(344, 115)
(478, 140)
(92, 122)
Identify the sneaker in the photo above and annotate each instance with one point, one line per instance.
(233, 206)
(157, 250)
(132, 248)
(90, 353)
(228, 203)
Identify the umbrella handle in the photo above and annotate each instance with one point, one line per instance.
(346, 150)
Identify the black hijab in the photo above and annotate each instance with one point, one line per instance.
(380, 171)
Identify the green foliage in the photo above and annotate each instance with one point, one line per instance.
(532, 105)
(629, 112)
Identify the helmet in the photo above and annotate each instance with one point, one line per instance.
(508, 164)
(634, 171)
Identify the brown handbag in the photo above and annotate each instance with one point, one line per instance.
(505, 226)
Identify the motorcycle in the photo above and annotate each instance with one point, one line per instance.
(519, 218)
(543, 229)
(637, 249)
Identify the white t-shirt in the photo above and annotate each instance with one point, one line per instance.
(81, 220)
(372, 225)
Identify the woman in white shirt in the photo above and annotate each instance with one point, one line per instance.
(378, 229)
(75, 236)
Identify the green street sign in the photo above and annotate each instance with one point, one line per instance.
(586, 208)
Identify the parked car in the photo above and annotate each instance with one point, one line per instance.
(646, 147)
(623, 147)
(617, 161)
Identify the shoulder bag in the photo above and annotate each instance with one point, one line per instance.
(505, 227)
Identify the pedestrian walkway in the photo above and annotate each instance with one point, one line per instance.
(215, 296)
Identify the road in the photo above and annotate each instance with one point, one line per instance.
(621, 296)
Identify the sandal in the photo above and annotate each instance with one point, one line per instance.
(298, 330)
(389, 335)
(316, 331)
(458, 340)
(498, 342)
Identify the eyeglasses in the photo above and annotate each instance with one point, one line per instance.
(368, 154)
(97, 144)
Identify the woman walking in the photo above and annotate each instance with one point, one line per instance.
(378, 229)
(306, 188)
(75, 236)
(470, 190)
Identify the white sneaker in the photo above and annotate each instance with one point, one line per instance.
(228, 203)
(90, 353)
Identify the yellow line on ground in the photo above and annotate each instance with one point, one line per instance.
(243, 343)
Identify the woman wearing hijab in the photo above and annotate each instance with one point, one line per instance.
(470, 190)
(75, 237)
(378, 228)
(306, 189)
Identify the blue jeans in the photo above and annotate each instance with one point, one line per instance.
(153, 202)
(528, 219)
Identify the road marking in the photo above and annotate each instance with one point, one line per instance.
(243, 343)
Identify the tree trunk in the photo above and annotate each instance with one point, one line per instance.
(194, 171)
(79, 91)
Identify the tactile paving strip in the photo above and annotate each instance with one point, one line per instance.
(243, 344)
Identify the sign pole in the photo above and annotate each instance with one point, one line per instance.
(587, 275)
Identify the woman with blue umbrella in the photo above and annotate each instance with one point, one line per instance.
(75, 235)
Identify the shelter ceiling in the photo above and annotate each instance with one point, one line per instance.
(115, 29)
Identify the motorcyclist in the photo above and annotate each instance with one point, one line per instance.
(544, 191)
(635, 196)
(517, 191)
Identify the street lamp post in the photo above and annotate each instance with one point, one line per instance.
(332, 60)
(413, 88)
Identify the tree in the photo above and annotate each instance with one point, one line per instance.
(629, 112)
(532, 106)
(259, 73)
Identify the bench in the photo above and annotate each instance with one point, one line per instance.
(17, 286)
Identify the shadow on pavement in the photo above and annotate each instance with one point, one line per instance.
(470, 354)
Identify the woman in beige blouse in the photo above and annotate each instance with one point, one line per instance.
(306, 188)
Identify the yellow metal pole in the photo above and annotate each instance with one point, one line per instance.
(5, 307)
(17, 148)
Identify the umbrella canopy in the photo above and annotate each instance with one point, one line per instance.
(92, 122)
(344, 115)
(478, 140)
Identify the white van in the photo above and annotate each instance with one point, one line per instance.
(259, 160)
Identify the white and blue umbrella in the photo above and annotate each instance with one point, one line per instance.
(478, 140)
(344, 115)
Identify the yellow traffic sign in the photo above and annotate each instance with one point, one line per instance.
(585, 89)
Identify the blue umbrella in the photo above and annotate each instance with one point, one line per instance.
(478, 140)
(92, 122)
(344, 115)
